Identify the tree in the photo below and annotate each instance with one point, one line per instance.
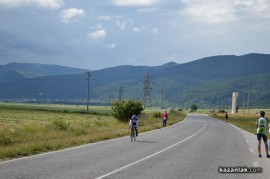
(123, 110)
(193, 107)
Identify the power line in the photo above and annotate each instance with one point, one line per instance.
(5, 52)
(5, 35)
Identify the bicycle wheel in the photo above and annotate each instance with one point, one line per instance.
(133, 134)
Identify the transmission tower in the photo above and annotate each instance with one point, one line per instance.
(147, 90)
(121, 93)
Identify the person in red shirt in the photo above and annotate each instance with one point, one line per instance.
(165, 118)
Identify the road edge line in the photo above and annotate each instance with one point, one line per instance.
(84, 145)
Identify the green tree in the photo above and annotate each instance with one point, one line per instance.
(193, 107)
(122, 110)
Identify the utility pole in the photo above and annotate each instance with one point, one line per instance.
(121, 92)
(248, 100)
(88, 82)
(161, 99)
(244, 102)
(229, 104)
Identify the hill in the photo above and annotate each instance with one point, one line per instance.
(30, 70)
(208, 82)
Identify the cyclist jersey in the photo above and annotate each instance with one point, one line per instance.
(134, 121)
(131, 123)
(261, 125)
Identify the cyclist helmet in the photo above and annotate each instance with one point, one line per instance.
(134, 116)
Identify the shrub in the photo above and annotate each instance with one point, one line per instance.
(157, 115)
(221, 111)
(193, 107)
(172, 111)
(61, 125)
(6, 140)
(122, 110)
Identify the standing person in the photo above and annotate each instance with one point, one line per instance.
(226, 117)
(165, 118)
(134, 121)
(261, 133)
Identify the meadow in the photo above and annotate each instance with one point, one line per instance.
(27, 129)
(244, 119)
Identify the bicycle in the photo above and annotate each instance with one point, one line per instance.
(133, 133)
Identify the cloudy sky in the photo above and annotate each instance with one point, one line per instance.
(95, 34)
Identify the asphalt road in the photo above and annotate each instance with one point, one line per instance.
(194, 148)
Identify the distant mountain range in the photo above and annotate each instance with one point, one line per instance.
(208, 82)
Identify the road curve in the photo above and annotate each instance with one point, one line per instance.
(194, 148)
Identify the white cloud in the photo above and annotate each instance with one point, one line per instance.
(135, 2)
(136, 29)
(70, 14)
(107, 18)
(97, 35)
(212, 11)
(243, 3)
(112, 45)
(148, 9)
(209, 11)
(97, 27)
(51, 4)
(155, 30)
(121, 24)
(104, 17)
(254, 7)
(119, 21)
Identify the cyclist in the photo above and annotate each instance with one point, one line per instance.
(134, 121)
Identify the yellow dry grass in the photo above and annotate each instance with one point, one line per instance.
(33, 130)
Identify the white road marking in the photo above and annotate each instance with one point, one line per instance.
(255, 163)
(152, 155)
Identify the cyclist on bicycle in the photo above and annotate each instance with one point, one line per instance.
(134, 122)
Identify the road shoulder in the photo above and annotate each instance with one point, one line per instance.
(252, 143)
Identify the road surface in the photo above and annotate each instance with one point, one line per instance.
(194, 148)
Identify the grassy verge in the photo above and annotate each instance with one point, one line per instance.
(246, 122)
(81, 109)
(28, 130)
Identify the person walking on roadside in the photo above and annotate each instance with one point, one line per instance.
(261, 133)
(226, 117)
(165, 118)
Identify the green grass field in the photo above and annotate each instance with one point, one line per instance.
(245, 120)
(31, 129)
